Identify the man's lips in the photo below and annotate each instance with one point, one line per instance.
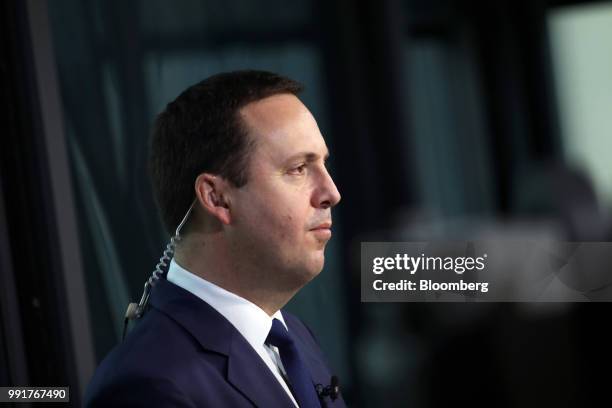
(322, 231)
(323, 226)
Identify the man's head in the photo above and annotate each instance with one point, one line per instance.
(201, 131)
(251, 153)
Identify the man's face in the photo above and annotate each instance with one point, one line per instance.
(281, 218)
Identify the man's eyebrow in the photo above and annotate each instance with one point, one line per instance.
(308, 156)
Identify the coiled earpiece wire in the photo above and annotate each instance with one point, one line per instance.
(136, 310)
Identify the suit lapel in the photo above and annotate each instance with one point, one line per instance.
(246, 370)
(313, 359)
(318, 370)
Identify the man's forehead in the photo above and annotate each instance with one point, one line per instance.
(291, 147)
(283, 126)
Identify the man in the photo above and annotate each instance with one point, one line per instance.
(247, 157)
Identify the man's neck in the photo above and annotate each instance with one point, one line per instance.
(212, 261)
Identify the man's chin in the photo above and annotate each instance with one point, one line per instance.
(317, 264)
(312, 268)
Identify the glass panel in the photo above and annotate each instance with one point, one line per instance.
(446, 123)
(582, 60)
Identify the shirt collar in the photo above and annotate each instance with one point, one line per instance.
(249, 319)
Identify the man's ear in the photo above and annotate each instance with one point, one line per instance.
(210, 191)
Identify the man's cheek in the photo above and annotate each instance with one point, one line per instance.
(285, 226)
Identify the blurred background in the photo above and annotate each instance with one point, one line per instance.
(446, 119)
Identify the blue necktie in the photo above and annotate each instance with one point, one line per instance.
(299, 376)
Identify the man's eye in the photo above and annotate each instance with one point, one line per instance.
(301, 169)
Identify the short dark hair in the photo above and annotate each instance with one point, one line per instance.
(202, 131)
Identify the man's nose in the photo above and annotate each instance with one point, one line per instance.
(327, 194)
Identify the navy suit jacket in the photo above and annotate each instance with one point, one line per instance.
(183, 353)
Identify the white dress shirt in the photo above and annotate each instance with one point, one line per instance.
(249, 319)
